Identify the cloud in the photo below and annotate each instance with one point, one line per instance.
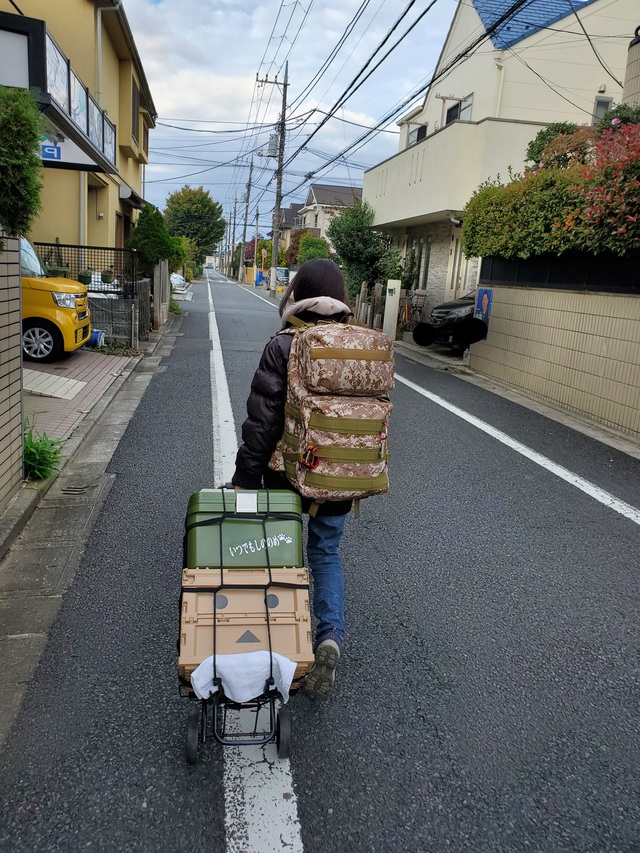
(201, 58)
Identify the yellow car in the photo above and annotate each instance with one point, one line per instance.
(55, 311)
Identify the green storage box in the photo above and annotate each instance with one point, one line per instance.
(256, 523)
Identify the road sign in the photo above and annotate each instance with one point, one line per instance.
(51, 152)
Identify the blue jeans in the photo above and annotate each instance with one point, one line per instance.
(325, 533)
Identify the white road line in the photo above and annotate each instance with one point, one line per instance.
(261, 809)
(225, 445)
(595, 492)
(257, 295)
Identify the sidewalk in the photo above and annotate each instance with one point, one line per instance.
(64, 400)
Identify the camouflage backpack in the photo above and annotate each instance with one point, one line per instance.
(334, 445)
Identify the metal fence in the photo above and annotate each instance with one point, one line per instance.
(111, 276)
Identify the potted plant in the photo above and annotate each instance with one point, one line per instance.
(85, 276)
(107, 275)
(58, 271)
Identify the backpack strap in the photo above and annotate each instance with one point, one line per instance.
(297, 322)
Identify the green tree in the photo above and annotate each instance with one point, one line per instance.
(363, 253)
(235, 261)
(193, 213)
(152, 241)
(618, 116)
(20, 166)
(537, 146)
(294, 245)
(312, 247)
(190, 262)
(266, 245)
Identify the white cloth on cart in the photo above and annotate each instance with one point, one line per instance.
(243, 676)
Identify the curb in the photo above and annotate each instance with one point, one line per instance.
(22, 506)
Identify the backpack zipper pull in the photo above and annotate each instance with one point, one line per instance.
(383, 442)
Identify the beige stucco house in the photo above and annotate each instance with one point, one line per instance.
(322, 204)
(79, 59)
(476, 121)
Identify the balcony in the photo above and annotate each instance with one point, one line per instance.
(78, 133)
(435, 178)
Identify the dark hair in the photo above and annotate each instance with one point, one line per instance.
(317, 277)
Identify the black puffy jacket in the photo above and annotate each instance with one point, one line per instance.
(264, 425)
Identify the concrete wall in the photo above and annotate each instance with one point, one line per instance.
(578, 350)
(10, 374)
(438, 176)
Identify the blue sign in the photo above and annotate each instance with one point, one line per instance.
(51, 152)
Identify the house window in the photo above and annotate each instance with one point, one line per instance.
(453, 113)
(145, 139)
(418, 134)
(461, 110)
(315, 218)
(135, 111)
(600, 108)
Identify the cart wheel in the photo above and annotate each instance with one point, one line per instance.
(283, 732)
(193, 724)
(204, 721)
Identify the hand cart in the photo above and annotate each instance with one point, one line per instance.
(220, 523)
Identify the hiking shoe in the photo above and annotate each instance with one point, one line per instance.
(323, 675)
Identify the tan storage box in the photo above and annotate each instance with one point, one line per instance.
(241, 624)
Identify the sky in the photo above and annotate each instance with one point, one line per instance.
(202, 58)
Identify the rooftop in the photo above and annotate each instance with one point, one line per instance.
(327, 194)
(534, 16)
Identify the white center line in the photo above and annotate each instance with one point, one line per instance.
(261, 808)
(595, 492)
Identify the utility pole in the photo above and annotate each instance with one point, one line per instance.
(255, 250)
(277, 214)
(244, 229)
(233, 238)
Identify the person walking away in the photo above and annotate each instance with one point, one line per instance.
(317, 293)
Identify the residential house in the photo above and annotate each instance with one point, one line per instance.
(476, 121)
(289, 224)
(322, 204)
(576, 347)
(79, 59)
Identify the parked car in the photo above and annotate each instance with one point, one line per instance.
(177, 281)
(452, 324)
(55, 311)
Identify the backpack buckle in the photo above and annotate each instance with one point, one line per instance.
(309, 459)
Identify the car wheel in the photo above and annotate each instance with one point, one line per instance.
(41, 341)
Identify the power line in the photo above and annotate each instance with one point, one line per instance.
(319, 73)
(593, 47)
(202, 171)
(352, 88)
(548, 84)
(437, 76)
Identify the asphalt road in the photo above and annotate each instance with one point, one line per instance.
(488, 698)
